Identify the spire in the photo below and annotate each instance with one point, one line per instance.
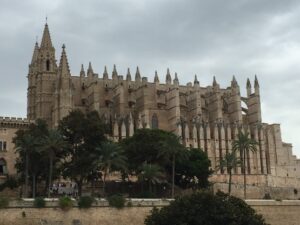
(63, 69)
(176, 81)
(168, 77)
(156, 79)
(46, 39)
(114, 73)
(90, 71)
(248, 87)
(214, 82)
(137, 74)
(128, 76)
(82, 72)
(196, 80)
(256, 86)
(105, 74)
(35, 53)
(234, 82)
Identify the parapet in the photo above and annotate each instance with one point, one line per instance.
(14, 122)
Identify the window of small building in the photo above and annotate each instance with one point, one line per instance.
(3, 167)
(3, 145)
(154, 122)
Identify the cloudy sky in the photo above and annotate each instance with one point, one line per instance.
(203, 37)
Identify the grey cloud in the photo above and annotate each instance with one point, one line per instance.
(212, 37)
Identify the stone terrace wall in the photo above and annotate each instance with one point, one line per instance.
(275, 212)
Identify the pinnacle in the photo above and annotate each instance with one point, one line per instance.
(114, 73)
(248, 83)
(168, 76)
(214, 81)
(156, 79)
(63, 64)
(256, 84)
(35, 52)
(137, 74)
(128, 76)
(82, 72)
(234, 82)
(196, 80)
(105, 74)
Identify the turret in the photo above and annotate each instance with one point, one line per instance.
(137, 75)
(90, 71)
(256, 86)
(128, 76)
(168, 77)
(176, 81)
(248, 86)
(115, 73)
(156, 79)
(105, 74)
(82, 72)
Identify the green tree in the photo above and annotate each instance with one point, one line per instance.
(152, 174)
(111, 158)
(83, 134)
(194, 170)
(244, 144)
(204, 208)
(53, 146)
(230, 161)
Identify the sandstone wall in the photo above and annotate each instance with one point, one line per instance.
(275, 212)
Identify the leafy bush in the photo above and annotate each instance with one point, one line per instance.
(3, 202)
(117, 201)
(65, 203)
(201, 208)
(85, 202)
(39, 202)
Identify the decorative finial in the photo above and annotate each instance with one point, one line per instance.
(63, 46)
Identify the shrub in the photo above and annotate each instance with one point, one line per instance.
(85, 202)
(117, 201)
(65, 203)
(129, 204)
(39, 202)
(3, 202)
(267, 196)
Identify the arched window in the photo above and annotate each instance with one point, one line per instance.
(154, 122)
(48, 65)
(3, 168)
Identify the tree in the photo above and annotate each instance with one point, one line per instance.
(171, 149)
(153, 146)
(152, 174)
(230, 161)
(204, 208)
(28, 144)
(194, 170)
(53, 146)
(83, 133)
(111, 158)
(244, 145)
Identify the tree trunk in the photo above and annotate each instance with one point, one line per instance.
(26, 174)
(173, 175)
(244, 173)
(33, 185)
(50, 174)
(79, 184)
(229, 182)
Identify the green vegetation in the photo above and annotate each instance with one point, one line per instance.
(39, 202)
(117, 201)
(85, 202)
(79, 151)
(65, 203)
(3, 202)
(204, 208)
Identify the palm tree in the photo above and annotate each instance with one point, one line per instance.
(171, 150)
(230, 161)
(53, 144)
(244, 145)
(152, 174)
(111, 159)
(25, 144)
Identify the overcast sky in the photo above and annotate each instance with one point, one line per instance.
(212, 37)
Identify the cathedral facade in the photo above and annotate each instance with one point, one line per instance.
(203, 117)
